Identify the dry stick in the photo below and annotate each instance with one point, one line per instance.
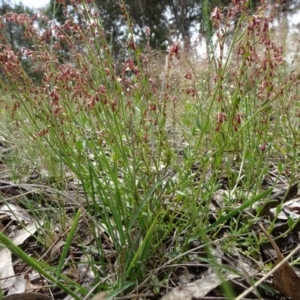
(245, 293)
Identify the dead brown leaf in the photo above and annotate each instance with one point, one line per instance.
(285, 196)
(281, 196)
(197, 289)
(27, 296)
(285, 279)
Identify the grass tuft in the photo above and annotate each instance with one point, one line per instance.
(146, 152)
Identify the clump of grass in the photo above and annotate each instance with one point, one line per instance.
(123, 135)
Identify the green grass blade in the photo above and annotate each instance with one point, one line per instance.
(239, 209)
(68, 244)
(34, 264)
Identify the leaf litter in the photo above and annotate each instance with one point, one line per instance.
(21, 227)
(189, 289)
(200, 280)
(285, 279)
(283, 197)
